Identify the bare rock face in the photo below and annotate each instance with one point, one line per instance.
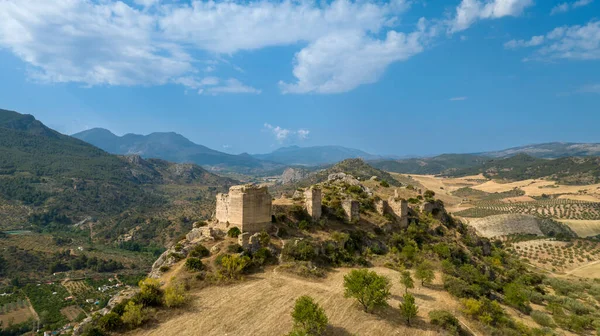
(343, 177)
(291, 175)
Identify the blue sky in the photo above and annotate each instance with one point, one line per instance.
(400, 77)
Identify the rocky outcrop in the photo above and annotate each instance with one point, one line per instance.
(291, 175)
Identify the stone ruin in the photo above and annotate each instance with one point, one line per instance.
(312, 202)
(247, 207)
(396, 207)
(352, 210)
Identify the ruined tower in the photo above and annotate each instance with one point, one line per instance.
(352, 210)
(312, 202)
(246, 206)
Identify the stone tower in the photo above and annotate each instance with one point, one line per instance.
(312, 202)
(352, 210)
(246, 206)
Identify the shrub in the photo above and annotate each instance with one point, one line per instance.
(164, 268)
(194, 264)
(232, 266)
(199, 251)
(175, 295)
(109, 322)
(264, 239)
(234, 232)
(134, 314)
(425, 272)
(304, 225)
(384, 184)
(235, 248)
(309, 318)
(150, 293)
(261, 256)
(542, 319)
(301, 250)
(368, 288)
(406, 281)
(408, 308)
(445, 320)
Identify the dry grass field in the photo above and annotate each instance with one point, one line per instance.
(71, 312)
(262, 306)
(583, 228)
(18, 316)
(502, 225)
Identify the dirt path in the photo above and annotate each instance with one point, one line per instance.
(262, 304)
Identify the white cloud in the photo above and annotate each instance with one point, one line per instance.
(230, 85)
(534, 41)
(303, 133)
(470, 11)
(458, 98)
(340, 62)
(566, 6)
(567, 42)
(283, 134)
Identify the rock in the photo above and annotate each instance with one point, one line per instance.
(291, 175)
(202, 234)
(374, 178)
(343, 177)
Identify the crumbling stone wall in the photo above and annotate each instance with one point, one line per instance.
(352, 210)
(312, 202)
(246, 206)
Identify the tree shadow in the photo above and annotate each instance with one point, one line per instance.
(393, 316)
(336, 331)
(423, 297)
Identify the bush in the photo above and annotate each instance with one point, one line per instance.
(235, 248)
(261, 256)
(304, 225)
(199, 251)
(164, 268)
(309, 318)
(175, 295)
(134, 314)
(368, 288)
(232, 266)
(109, 322)
(194, 264)
(234, 232)
(301, 250)
(150, 293)
(384, 184)
(445, 320)
(542, 319)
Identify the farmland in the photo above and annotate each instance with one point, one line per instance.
(551, 208)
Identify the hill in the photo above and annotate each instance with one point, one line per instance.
(355, 167)
(61, 180)
(314, 156)
(549, 150)
(172, 147)
(430, 166)
(567, 170)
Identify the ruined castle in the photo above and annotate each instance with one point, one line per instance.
(247, 207)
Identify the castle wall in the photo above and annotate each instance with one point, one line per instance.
(312, 202)
(248, 207)
(352, 209)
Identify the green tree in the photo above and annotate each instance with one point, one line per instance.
(408, 308)
(515, 295)
(309, 317)
(368, 288)
(134, 314)
(424, 272)
(407, 281)
(110, 322)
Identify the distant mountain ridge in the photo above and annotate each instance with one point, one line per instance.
(550, 150)
(315, 155)
(172, 147)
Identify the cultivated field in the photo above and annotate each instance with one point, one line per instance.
(262, 306)
(558, 256)
(76, 288)
(16, 312)
(502, 225)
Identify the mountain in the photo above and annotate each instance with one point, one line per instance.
(172, 147)
(433, 165)
(549, 150)
(565, 170)
(60, 180)
(314, 156)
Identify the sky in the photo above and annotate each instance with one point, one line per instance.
(395, 77)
